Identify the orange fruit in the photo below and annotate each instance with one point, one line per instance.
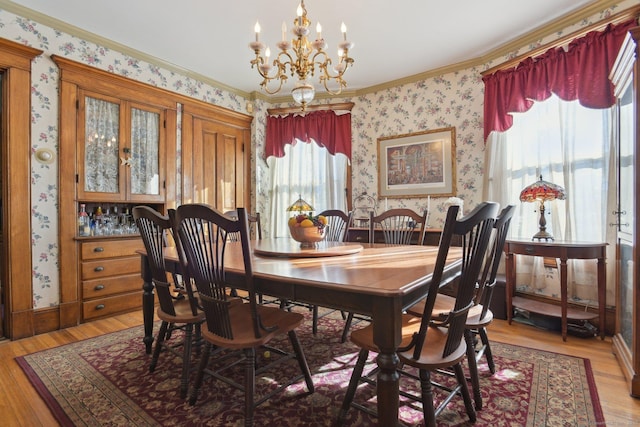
(306, 223)
(322, 219)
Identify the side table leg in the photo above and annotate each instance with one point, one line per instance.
(602, 295)
(563, 296)
(510, 285)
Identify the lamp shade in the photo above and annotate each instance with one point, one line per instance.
(543, 191)
(300, 206)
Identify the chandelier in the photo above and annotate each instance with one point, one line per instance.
(300, 57)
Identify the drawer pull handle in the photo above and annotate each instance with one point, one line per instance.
(98, 269)
(529, 249)
(98, 287)
(98, 249)
(100, 307)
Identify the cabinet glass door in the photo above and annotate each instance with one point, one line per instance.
(626, 215)
(144, 163)
(100, 163)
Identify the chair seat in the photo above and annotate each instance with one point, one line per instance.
(474, 321)
(431, 355)
(444, 304)
(241, 325)
(183, 313)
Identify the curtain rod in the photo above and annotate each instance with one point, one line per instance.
(343, 106)
(627, 14)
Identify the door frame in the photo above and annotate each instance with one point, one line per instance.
(16, 274)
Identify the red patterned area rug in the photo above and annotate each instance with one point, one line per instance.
(105, 381)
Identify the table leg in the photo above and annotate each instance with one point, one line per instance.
(510, 285)
(147, 303)
(386, 335)
(602, 294)
(388, 388)
(563, 296)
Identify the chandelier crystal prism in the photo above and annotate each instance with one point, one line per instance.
(301, 57)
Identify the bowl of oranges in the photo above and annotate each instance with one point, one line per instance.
(308, 229)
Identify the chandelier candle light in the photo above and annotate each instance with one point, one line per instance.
(300, 57)
(542, 191)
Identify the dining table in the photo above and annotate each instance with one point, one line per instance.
(372, 279)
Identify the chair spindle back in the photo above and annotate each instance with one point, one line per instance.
(398, 226)
(473, 231)
(338, 224)
(153, 229)
(205, 238)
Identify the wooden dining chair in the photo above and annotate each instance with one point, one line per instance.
(399, 226)
(480, 315)
(429, 344)
(338, 223)
(254, 223)
(255, 227)
(177, 305)
(232, 324)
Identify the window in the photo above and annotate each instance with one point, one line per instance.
(308, 171)
(568, 145)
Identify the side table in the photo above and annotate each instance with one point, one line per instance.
(562, 250)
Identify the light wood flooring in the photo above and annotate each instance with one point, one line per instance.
(20, 404)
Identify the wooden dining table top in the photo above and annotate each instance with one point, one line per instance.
(375, 269)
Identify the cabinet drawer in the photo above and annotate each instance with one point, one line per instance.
(110, 267)
(111, 305)
(110, 248)
(98, 288)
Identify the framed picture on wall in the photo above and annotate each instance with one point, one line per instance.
(418, 164)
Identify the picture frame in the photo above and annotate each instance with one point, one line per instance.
(418, 164)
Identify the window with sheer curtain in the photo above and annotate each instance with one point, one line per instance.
(552, 115)
(309, 171)
(569, 145)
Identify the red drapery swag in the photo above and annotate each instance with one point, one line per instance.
(326, 128)
(581, 72)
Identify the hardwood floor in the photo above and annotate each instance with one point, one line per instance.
(20, 404)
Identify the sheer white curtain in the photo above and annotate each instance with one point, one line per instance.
(102, 128)
(145, 140)
(308, 171)
(571, 146)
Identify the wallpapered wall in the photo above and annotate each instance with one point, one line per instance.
(454, 99)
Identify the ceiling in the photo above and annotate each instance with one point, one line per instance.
(393, 40)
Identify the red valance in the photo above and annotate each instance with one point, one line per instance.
(326, 128)
(581, 72)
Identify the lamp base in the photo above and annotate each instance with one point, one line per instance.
(540, 235)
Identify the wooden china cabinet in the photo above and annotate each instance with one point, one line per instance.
(626, 340)
(117, 150)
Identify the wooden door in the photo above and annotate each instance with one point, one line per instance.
(214, 165)
(626, 340)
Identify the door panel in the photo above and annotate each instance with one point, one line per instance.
(213, 164)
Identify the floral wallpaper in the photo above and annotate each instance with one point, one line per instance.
(454, 99)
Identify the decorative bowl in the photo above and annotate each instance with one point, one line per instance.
(307, 236)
